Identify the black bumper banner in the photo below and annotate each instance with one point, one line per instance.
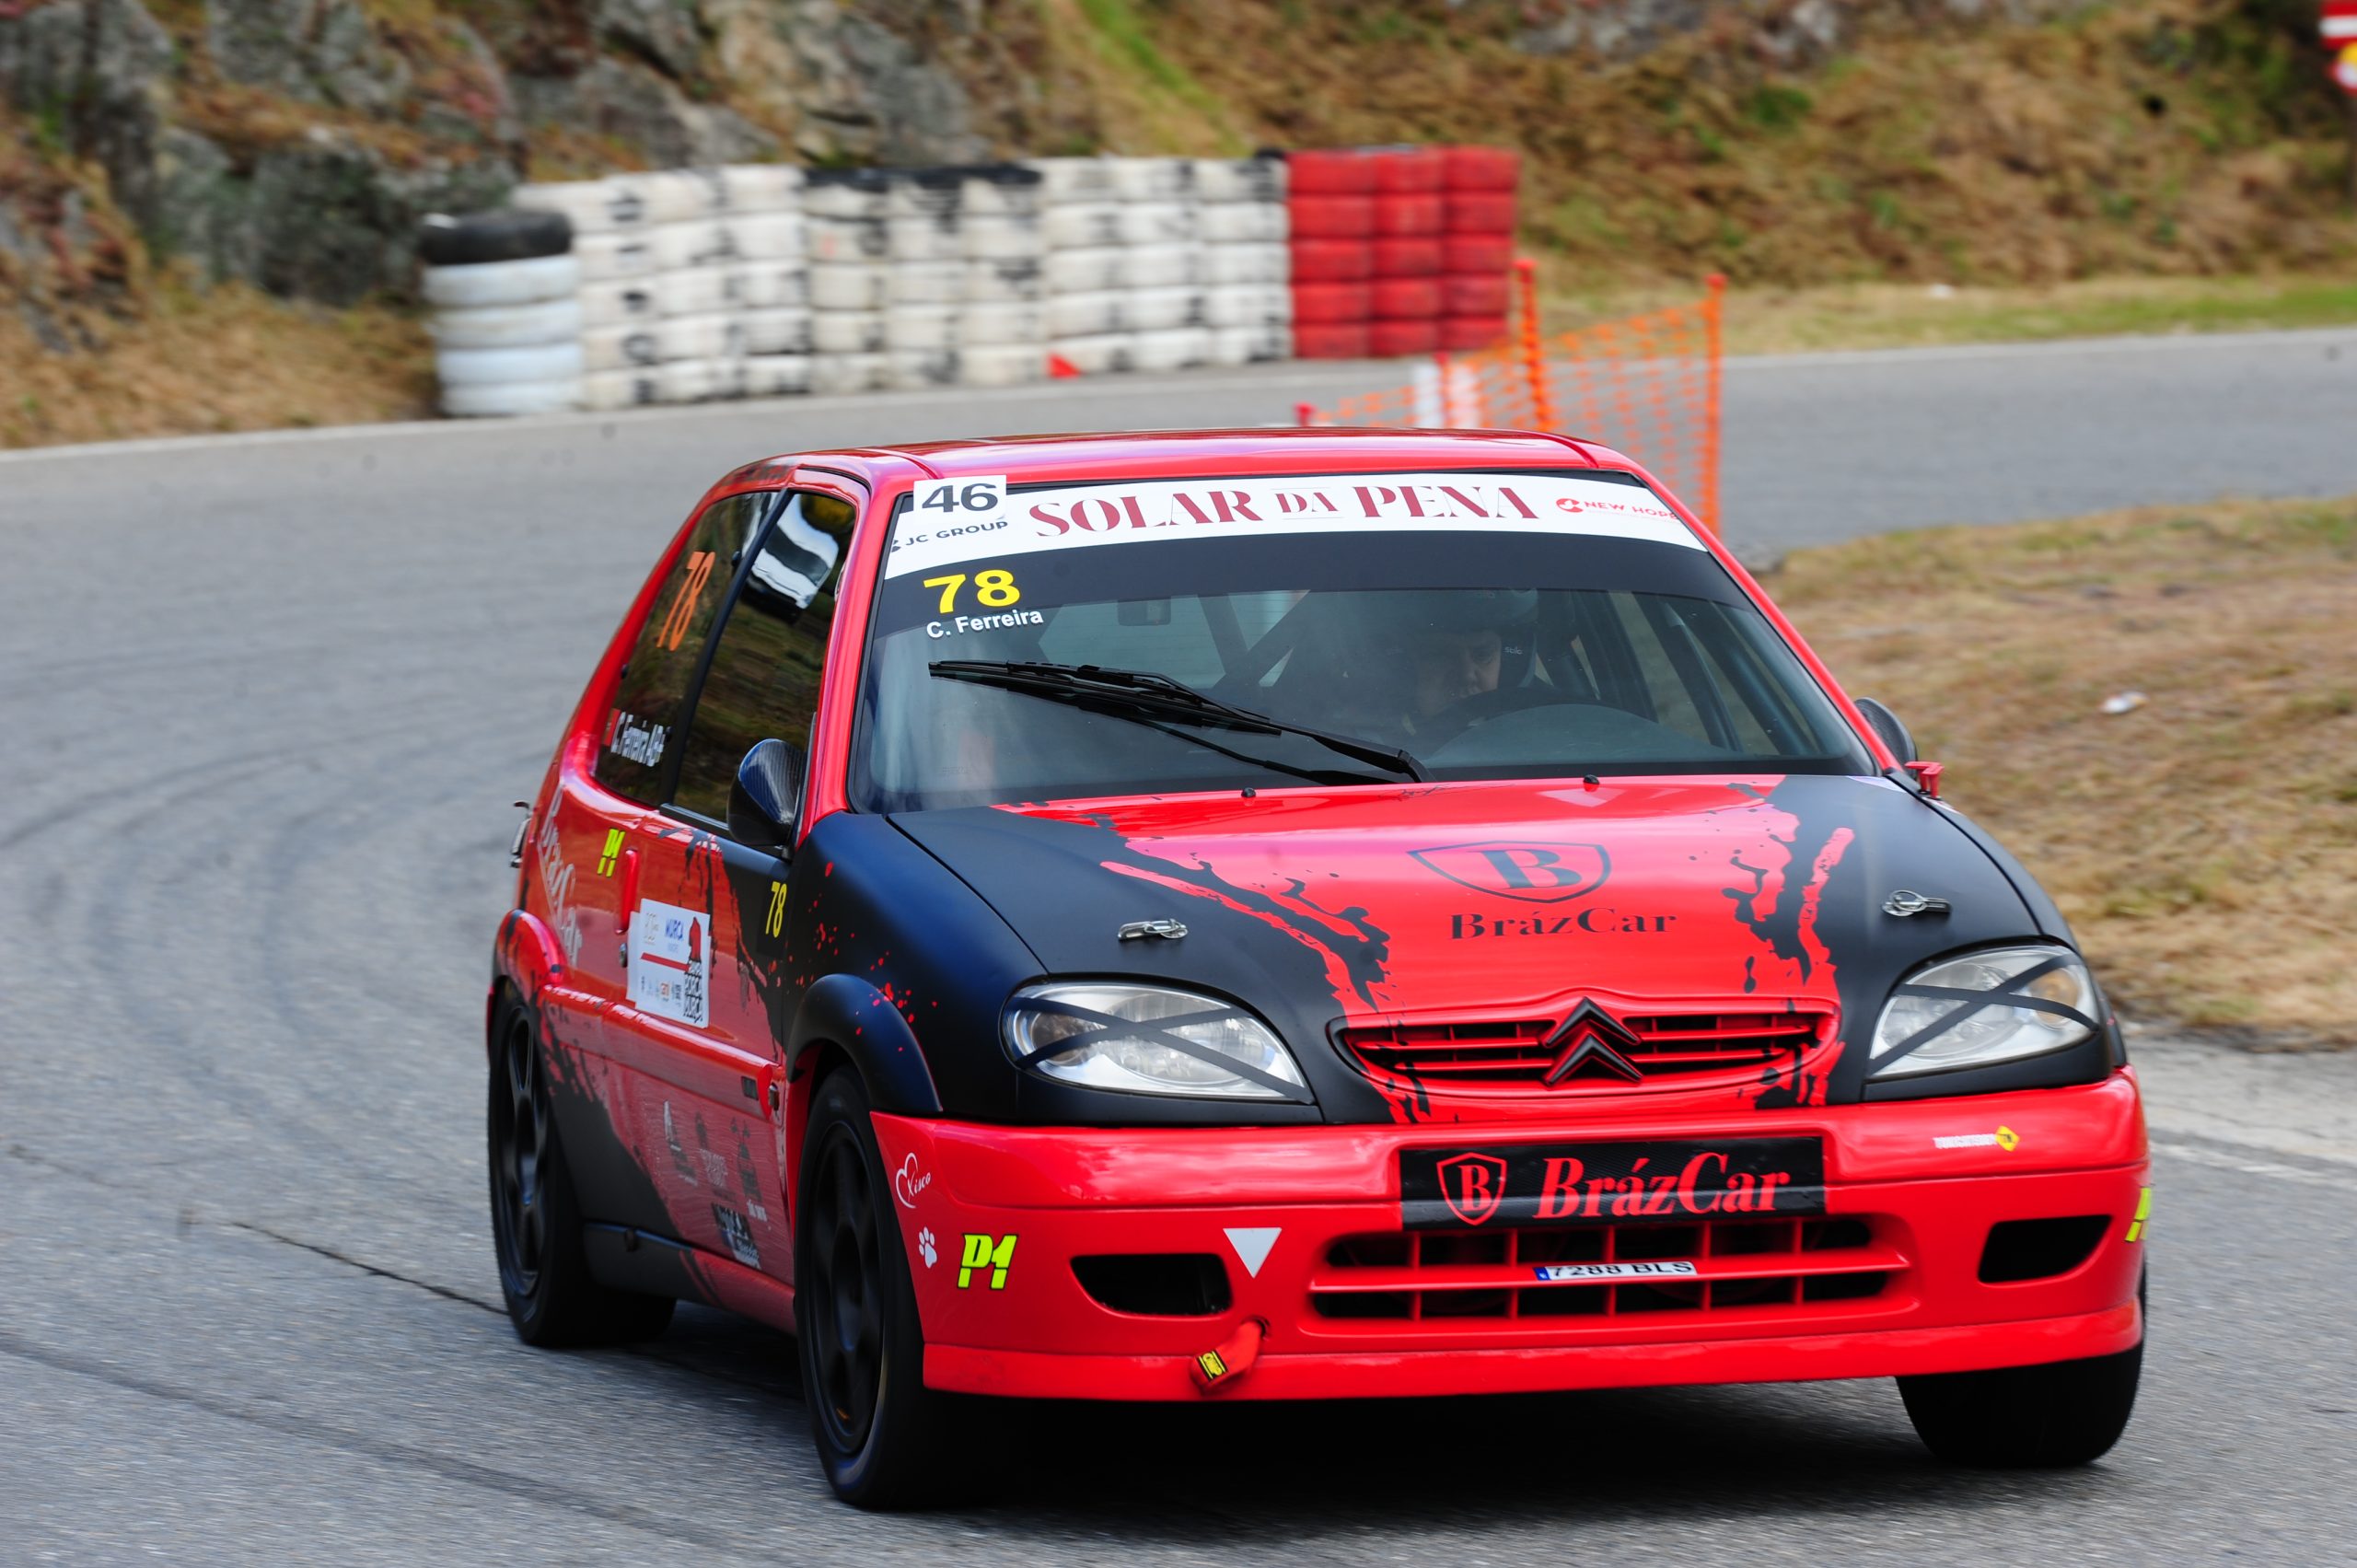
(1664, 1182)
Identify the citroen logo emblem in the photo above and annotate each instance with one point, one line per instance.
(1593, 1040)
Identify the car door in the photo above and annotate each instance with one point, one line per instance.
(706, 984)
(591, 841)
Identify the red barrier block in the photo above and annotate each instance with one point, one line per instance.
(1479, 212)
(1409, 171)
(1477, 254)
(1417, 258)
(1399, 299)
(1388, 339)
(1469, 334)
(1339, 171)
(1480, 169)
(1318, 304)
(1331, 218)
(1334, 260)
(1408, 216)
(1473, 294)
(1330, 340)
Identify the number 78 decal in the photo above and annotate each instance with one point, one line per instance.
(994, 589)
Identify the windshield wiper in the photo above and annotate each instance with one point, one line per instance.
(1148, 695)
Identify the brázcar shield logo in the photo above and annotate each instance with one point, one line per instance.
(1472, 1185)
(1535, 873)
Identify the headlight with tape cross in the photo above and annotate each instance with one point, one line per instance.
(1149, 1039)
(1977, 1009)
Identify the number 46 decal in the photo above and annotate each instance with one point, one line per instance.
(977, 497)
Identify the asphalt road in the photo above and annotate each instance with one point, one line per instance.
(262, 705)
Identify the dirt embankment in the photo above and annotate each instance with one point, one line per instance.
(2158, 710)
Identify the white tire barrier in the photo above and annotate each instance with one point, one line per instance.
(766, 280)
(1226, 264)
(503, 282)
(506, 398)
(839, 375)
(508, 326)
(1087, 270)
(847, 331)
(483, 366)
(858, 285)
(1177, 265)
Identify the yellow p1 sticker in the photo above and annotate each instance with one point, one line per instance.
(1213, 1367)
(2144, 1212)
(986, 1253)
(613, 848)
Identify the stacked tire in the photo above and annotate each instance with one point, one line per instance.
(507, 325)
(1240, 213)
(1478, 201)
(1125, 264)
(1405, 299)
(1330, 209)
(964, 285)
(694, 285)
(851, 246)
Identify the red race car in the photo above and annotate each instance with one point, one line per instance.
(1287, 914)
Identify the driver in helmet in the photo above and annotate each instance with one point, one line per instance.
(1462, 644)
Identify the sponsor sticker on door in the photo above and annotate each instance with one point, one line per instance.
(670, 963)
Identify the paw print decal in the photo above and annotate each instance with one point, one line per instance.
(924, 1245)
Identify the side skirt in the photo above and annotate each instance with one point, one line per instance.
(624, 1258)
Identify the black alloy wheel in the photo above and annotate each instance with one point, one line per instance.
(535, 1222)
(885, 1440)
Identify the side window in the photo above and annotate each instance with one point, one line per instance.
(650, 699)
(763, 682)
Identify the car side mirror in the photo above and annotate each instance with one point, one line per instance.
(766, 798)
(1886, 724)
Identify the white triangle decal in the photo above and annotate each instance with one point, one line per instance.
(1252, 1245)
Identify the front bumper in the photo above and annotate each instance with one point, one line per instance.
(1888, 1283)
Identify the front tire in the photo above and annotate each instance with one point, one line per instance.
(2068, 1412)
(885, 1440)
(535, 1220)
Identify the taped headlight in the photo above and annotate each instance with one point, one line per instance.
(1149, 1039)
(1999, 1004)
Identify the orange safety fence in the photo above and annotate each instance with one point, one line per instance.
(1649, 386)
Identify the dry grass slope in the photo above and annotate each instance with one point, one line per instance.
(2203, 845)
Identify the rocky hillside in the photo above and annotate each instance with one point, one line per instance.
(291, 145)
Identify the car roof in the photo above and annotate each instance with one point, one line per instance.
(1186, 453)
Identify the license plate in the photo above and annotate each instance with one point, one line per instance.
(1664, 1181)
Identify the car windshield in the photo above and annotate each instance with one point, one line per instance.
(1122, 638)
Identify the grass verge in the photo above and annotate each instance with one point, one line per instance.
(1868, 316)
(2204, 843)
(198, 362)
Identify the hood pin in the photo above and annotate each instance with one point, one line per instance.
(1904, 903)
(1137, 930)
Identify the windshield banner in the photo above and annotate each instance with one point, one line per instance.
(975, 518)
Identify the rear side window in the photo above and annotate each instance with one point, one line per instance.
(763, 683)
(648, 704)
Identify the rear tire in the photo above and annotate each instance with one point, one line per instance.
(535, 1220)
(2068, 1412)
(885, 1440)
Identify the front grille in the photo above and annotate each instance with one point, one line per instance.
(1511, 1056)
(1740, 1266)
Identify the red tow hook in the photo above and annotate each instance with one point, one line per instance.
(1215, 1369)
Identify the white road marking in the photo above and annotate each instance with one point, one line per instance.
(2225, 1159)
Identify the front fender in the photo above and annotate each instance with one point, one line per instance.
(524, 956)
(846, 1012)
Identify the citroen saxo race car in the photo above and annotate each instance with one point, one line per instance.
(1287, 914)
